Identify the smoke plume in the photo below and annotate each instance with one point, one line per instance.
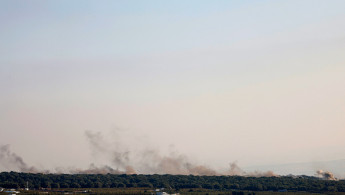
(325, 175)
(11, 161)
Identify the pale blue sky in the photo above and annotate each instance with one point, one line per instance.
(50, 30)
(241, 73)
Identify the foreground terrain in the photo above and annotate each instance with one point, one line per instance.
(155, 184)
(144, 191)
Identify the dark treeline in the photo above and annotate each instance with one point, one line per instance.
(37, 181)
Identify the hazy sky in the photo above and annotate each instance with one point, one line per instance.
(257, 82)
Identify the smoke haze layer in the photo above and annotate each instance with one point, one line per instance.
(144, 160)
(121, 159)
(148, 160)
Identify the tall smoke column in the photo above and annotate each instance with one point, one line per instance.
(11, 160)
(326, 175)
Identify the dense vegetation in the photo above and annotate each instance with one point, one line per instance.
(177, 182)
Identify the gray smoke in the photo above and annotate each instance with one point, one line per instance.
(93, 169)
(11, 161)
(150, 161)
(147, 161)
(200, 170)
(119, 157)
(327, 175)
(96, 142)
(123, 160)
(236, 170)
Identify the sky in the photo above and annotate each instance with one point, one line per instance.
(254, 82)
